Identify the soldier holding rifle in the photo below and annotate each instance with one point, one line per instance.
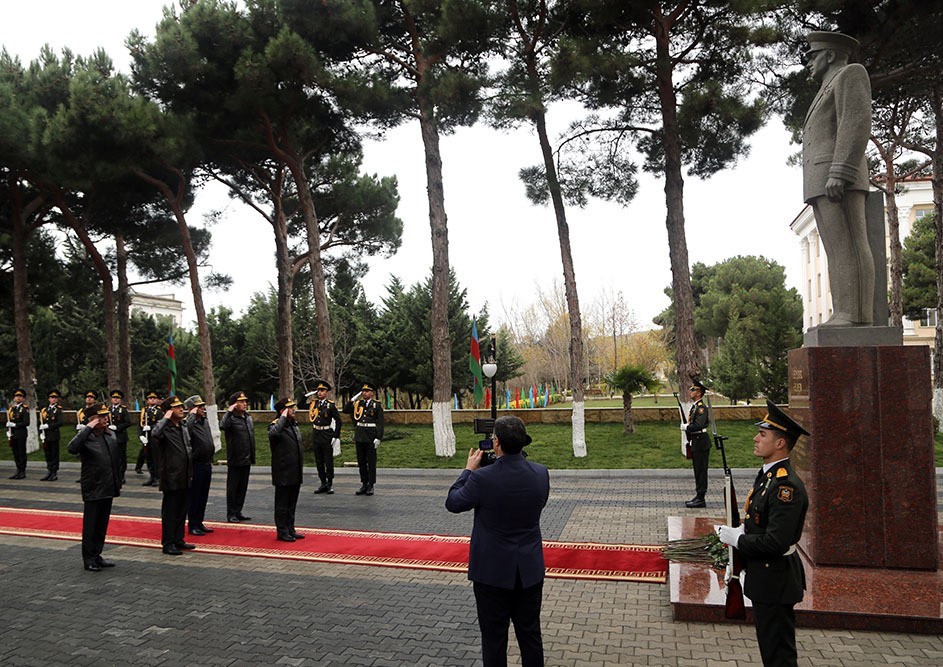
(695, 428)
(768, 538)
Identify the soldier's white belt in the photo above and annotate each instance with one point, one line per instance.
(696, 432)
(323, 428)
(366, 425)
(791, 550)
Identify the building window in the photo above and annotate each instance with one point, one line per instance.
(929, 317)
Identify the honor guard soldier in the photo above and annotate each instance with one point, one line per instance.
(368, 432)
(696, 431)
(17, 421)
(150, 415)
(120, 423)
(50, 421)
(325, 435)
(768, 537)
(85, 413)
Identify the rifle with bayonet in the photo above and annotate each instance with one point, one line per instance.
(734, 607)
(688, 452)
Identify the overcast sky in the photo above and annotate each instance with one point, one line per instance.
(502, 248)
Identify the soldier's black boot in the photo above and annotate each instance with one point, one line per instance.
(53, 476)
(45, 478)
(361, 491)
(330, 486)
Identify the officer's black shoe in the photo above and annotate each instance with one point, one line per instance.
(104, 563)
(321, 489)
(330, 489)
(53, 477)
(206, 530)
(185, 545)
(15, 475)
(297, 536)
(93, 567)
(243, 517)
(21, 474)
(232, 519)
(286, 538)
(197, 531)
(369, 490)
(361, 491)
(172, 550)
(150, 482)
(695, 503)
(45, 478)
(138, 471)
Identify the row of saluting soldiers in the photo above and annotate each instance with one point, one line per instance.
(178, 449)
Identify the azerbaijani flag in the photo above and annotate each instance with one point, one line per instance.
(474, 364)
(171, 366)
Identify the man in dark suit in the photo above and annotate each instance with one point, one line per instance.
(240, 454)
(97, 448)
(506, 558)
(835, 173)
(203, 448)
(174, 457)
(50, 421)
(287, 461)
(768, 538)
(325, 434)
(696, 431)
(368, 432)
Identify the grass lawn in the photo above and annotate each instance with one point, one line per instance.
(653, 445)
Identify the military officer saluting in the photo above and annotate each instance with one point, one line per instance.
(368, 432)
(150, 415)
(326, 434)
(767, 539)
(50, 421)
(17, 421)
(120, 423)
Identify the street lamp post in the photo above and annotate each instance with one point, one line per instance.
(490, 369)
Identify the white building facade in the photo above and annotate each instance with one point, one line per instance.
(158, 305)
(914, 202)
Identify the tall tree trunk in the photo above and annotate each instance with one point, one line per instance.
(124, 316)
(569, 283)
(937, 182)
(627, 422)
(685, 341)
(108, 294)
(283, 333)
(444, 434)
(175, 202)
(26, 364)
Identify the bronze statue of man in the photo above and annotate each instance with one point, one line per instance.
(835, 174)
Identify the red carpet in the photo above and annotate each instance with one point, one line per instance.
(564, 560)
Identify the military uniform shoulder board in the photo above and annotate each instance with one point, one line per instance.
(785, 494)
(700, 409)
(782, 472)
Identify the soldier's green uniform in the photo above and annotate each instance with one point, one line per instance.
(17, 421)
(325, 428)
(120, 423)
(50, 421)
(150, 415)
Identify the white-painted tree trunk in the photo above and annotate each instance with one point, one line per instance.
(212, 416)
(442, 429)
(32, 434)
(938, 407)
(579, 429)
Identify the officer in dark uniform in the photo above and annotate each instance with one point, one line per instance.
(325, 434)
(150, 415)
(239, 430)
(768, 537)
(696, 431)
(120, 423)
(17, 421)
(95, 445)
(287, 461)
(174, 457)
(50, 421)
(91, 401)
(203, 447)
(368, 432)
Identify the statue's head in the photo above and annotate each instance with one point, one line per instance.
(827, 49)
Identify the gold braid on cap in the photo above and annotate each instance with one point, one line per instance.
(772, 423)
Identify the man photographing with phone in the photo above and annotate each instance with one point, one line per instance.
(506, 559)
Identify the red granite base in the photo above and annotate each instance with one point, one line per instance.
(851, 598)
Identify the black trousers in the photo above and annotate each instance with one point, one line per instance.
(94, 526)
(324, 458)
(199, 494)
(145, 456)
(173, 515)
(123, 457)
(18, 445)
(367, 462)
(701, 459)
(286, 499)
(237, 483)
(51, 451)
(776, 634)
(498, 606)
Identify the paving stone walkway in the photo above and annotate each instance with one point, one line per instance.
(205, 609)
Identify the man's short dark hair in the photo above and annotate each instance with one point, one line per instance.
(790, 440)
(511, 433)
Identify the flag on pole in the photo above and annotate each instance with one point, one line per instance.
(455, 401)
(389, 401)
(171, 367)
(487, 399)
(533, 398)
(271, 401)
(474, 364)
(547, 396)
(507, 398)
(517, 398)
